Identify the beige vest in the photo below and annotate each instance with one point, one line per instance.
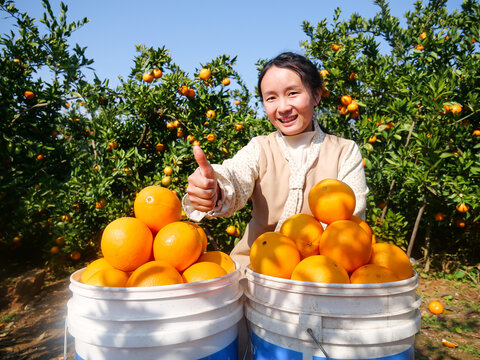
(272, 186)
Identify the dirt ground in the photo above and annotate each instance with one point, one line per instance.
(35, 328)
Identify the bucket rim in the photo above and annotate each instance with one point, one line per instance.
(184, 288)
(314, 287)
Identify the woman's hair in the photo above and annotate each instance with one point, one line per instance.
(307, 71)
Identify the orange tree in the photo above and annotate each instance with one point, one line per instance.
(413, 108)
(75, 152)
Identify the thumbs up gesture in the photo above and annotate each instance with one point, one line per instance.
(202, 185)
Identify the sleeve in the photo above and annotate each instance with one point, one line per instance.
(236, 178)
(352, 173)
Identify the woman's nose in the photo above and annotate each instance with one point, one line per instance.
(283, 105)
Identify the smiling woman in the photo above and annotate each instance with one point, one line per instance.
(277, 171)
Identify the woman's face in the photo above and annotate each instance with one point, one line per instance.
(289, 104)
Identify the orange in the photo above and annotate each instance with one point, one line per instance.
(448, 343)
(40, 157)
(183, 90)
(226, 81)
(157, 73)
(476, 132)
(93, 267)
(323, 72)
(76, 255)
(331, 200)
(462, 207)
(54, 250)
(363, 224)
(373, 139)
(320, 268)
(353, 106)
(190, 93)
(166, 180)
(220, 258)
(354, 114)
(372, 274)
(455, 109)
(440, 216)
(126, 243)
(306, 231)
(274, 254)
(461, 223)
(210, 137)
(343, 110)
(435, 307)
(167, 170)
(205, 74)
(420, 47)
(201, 271)
(346, 243)
(148, 77)
(210, 114)
(179, 244)
(29, 94)
(108, 277)
(324, 93)
(352, 76)
(393, 257)
(423, 35)
(203, 235)
(346, 100)
(157, 207)
(335, 47)
(231, 230)
(155, 273)
(239, 127)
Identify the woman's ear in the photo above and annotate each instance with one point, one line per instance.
(317, 95)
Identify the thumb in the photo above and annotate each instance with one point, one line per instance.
(205, 167)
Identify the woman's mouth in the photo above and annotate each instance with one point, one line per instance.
(288, 119)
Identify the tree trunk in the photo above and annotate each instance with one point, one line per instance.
(415, 228)
(426, 253)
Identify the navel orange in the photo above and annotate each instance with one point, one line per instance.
(372, 273)
(346, 243)
(155, 273)
(331, 200)
(201, 271)
(306, 231)
(220, 258)
(108, 277)
(157, 206)
(392, 257)
(126, 243)
(178, 243)
(320, 268)
(274, 254)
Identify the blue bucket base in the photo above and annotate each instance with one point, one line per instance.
(230, 352)
(264, 350)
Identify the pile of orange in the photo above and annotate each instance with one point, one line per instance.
(344, 251)
(155, 247)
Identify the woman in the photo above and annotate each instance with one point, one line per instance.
(277, 170)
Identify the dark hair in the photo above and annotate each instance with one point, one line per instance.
(307, 70)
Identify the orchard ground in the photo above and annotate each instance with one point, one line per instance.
(33, 328)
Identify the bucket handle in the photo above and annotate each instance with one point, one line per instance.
(310, 332)
(65, 339)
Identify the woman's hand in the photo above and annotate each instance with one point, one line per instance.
(202, 185)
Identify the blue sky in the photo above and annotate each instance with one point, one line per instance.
(198, 31)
